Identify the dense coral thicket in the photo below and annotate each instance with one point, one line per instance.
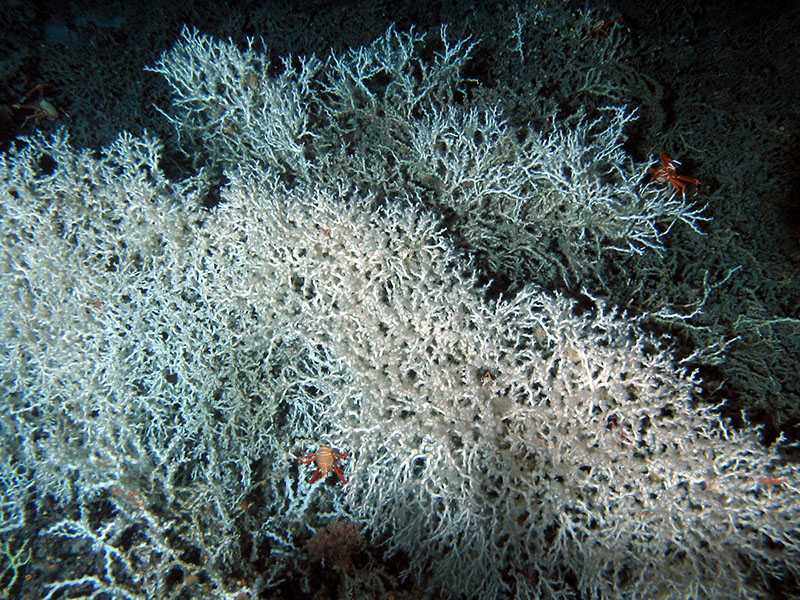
(161, 362)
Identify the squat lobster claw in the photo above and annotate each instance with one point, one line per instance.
(326, 460)
(666, 173)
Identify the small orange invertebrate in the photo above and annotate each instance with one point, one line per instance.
(326, 460)
(666, 174)
(605, 26)
(42, 109)
(772, 480)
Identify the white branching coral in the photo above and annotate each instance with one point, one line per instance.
(166, 359)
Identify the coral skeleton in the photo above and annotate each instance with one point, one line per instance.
(162, 362)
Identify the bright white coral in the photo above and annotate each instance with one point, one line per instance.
(581, 454)
(168, 359)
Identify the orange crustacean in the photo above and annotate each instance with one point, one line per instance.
(34, 100)
(325, 458)
(666, 173)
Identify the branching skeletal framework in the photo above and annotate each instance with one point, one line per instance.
(166, 361)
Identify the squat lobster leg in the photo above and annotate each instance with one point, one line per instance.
(326, 460)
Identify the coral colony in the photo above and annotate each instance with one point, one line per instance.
(164, 363)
